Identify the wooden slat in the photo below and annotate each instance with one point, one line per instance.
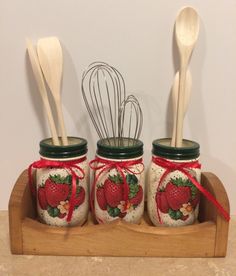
(206, 239)
(216, 188)
(20, 205)
(120, 239)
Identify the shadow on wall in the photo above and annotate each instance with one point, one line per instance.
(225, 173)
(74, 103)
(35, 97)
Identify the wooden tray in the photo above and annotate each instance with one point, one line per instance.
(208, 238)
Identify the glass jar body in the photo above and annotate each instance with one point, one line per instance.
(119, 184)
(54, 184)
(172, 198)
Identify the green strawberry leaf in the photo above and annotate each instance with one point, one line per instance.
(116, 178)
(179, 181)
(175, 214)
(53, 212)
(131, 179)
(133, 190)
(57, 178)
(194, 191)
(113, 212)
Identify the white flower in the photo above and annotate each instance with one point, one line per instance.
(186, 209)
(125, 206)
(64, 207)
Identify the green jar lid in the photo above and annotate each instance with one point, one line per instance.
(77, 147)
(162, 148)
(123, 148)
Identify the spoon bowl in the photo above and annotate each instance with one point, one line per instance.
(187, 34)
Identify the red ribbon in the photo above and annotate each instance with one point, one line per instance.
(184, 167)
(106, 166)
(68, 165)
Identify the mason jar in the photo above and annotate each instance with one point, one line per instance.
(62, 183)
(118, 186)
(172, 195)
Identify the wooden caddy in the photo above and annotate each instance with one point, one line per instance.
(208, 238)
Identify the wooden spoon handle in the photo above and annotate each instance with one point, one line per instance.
(51, 122)
(174, 96)
(180, 106)
(61, 122)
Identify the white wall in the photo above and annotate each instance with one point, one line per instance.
(137, 38)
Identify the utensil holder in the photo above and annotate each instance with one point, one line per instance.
(207, 238)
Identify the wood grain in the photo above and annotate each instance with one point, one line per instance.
(20, 206)
(216, 188)
(205, 239)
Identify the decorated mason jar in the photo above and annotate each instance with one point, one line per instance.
(174, 178)
(62, 183)
(118, 186)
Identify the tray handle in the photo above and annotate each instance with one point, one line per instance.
(20, 205)
(209, 212)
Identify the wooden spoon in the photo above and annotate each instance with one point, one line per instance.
(174, 95)
(42, 89)
(51, 59)
(186, 32)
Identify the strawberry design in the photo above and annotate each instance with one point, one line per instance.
(137, 199)
(177, 195)
(113, 189)
(61, 216)
(135, 190)
(80, 196)
(122, 215)
(195, 200)
(42, 198)
(161, 201)
(101, 199)
(54, 191)
(184, 217)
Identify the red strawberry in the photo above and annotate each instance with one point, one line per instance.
(61, 216)
(42, 198)
(113, 189)
(184, 217)
(101, 199)
(122, 215)
(56, 192)
(196, 200)
(177, 195)
(162, 203)
(80, 197)
(137, 199)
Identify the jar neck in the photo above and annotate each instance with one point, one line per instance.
(190, 150)
(76, 147)
(127, 149)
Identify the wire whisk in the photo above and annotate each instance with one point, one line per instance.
(130, 120)
(104, 93)
(103, 90)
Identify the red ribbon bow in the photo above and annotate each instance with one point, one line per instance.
(184, 167)
(107, 165)
(70, 166)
